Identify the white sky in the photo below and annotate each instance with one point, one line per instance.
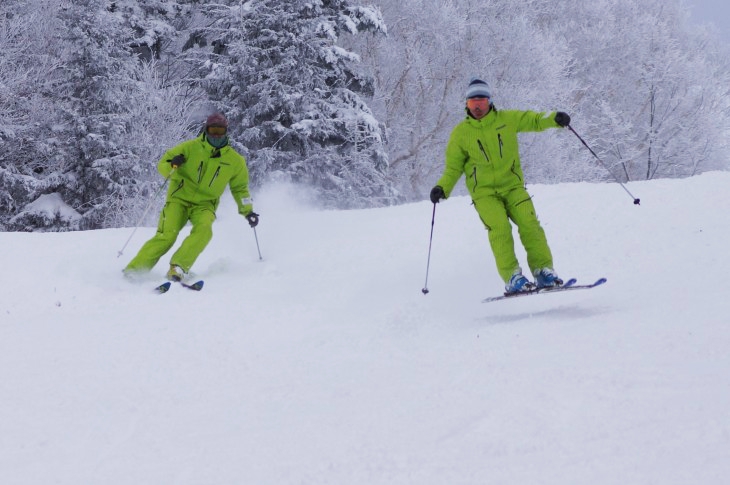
(713, 11)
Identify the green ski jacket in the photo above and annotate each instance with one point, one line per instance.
(487, 152)
(205, 174)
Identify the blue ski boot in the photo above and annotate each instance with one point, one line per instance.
(518, 284)
(547, 278)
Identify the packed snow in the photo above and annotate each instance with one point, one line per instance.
(324, 363)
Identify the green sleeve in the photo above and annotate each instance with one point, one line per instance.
(534, 121)
(456, 157)
(239, 190)
(163, 166)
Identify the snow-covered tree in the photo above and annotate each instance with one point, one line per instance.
(155, 24)
(649, 90)
(93, 91)
(422, 69)
(99, 75)
(417, 70)
(31, 131)
(82, 118)
(628, 74)
(294, 96)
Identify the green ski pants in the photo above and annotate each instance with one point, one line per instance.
(173, 218)
(496, 211)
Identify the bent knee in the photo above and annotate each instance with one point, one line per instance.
(498, 227)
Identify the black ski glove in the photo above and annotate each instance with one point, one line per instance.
(437, 193)
(253, 219)
(177, 161)
(562, 119)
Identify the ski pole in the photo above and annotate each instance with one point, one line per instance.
(636, 201)
(144, 214)
(257, 243)
(430, 240)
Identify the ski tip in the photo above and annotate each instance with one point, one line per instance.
(197, 286)
(163, 288)
(600, 281)
(570, 282)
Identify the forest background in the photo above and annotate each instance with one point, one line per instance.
(351, 103)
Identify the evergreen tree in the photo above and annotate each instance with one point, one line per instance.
(99, 75)
(93, 91)
(154, 24)
(80, 116)
(294, 96)
(120, 112)
(32, 136)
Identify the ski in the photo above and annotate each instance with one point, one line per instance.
(165, 287)
(197, 286)
(567, 286)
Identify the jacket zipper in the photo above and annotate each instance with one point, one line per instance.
(484, 152)
(200, 172)
(499, 138)
(486, 157)
(215, 176)
(179, 186)
(512, 169)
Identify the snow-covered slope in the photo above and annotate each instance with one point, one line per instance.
(325, 364)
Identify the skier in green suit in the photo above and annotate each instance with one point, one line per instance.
(199, 171)
(484, 148)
